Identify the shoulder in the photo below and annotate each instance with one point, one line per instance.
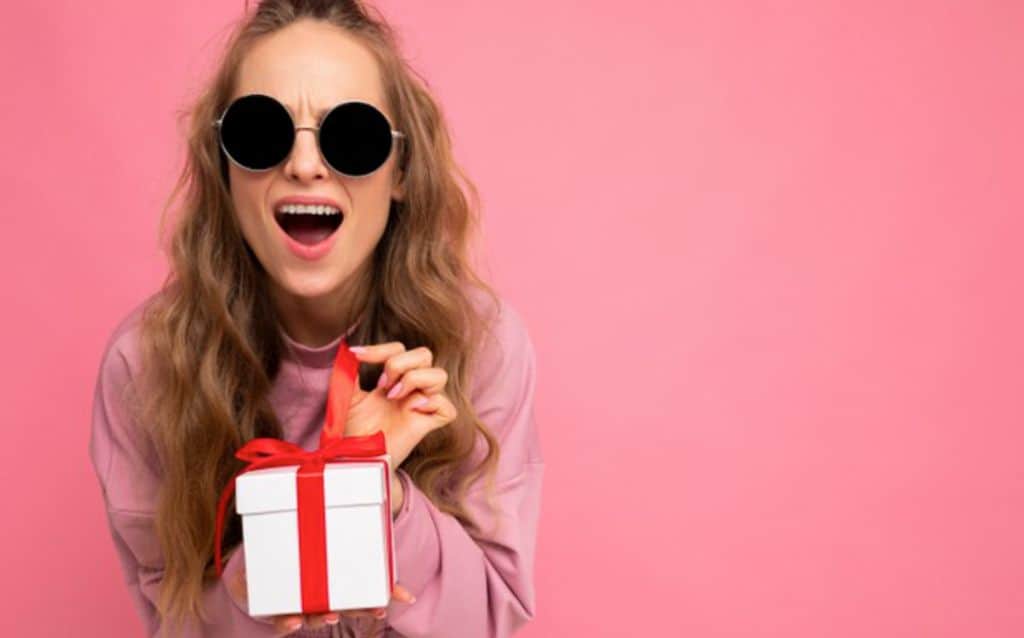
(121, 357)
(120, 452)
(505, 351)
(116, 397)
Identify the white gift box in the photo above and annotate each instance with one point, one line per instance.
(360, 547)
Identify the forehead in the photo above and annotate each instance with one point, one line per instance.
(310, 65)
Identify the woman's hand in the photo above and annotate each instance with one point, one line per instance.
(287, 623)
(408, 402)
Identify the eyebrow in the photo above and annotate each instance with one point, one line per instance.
(318, 114)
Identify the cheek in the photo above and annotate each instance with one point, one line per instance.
(372, 206)
(373, 199)
(247, 197)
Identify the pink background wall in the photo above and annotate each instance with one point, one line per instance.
(770, 258)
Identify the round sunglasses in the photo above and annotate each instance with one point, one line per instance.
(257, 133)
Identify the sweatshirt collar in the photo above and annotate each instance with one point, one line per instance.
(314, 357)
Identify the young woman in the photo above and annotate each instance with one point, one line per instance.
(321, 203)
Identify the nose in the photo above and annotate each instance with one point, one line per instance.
(304, 163)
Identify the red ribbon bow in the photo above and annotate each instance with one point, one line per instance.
(269, 452)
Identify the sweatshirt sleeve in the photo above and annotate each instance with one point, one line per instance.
(125, 467)
(479, 586)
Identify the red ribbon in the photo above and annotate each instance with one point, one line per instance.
(334, 446)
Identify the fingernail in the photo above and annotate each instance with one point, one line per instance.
(395, 390)
(357, 349)
(295, 624)
(380, 613)
(331, 619)
(383, 380)
(418, 403)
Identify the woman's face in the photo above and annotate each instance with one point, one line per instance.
(310, 66)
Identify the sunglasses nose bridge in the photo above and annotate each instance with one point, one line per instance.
(313, 150)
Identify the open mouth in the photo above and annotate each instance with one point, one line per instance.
(308, 228)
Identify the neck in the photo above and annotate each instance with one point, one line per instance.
(316, 321)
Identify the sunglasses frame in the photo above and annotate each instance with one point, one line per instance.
(220, 138)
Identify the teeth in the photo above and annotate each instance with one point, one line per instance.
(305, 209)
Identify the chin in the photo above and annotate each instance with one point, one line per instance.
(309, 284)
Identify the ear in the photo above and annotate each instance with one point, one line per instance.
(398, 180)
(398, 189)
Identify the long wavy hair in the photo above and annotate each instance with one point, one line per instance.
(210, 336)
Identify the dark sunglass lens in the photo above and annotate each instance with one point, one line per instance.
(355, 138)
(257, 132)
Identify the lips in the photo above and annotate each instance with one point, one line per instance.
(308, 229)
(309, 224)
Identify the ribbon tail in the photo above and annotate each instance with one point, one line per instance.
(225, 496)
(344, 376)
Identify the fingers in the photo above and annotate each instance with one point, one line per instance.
(377, 353)
(316, 621)
(372, 613)
(438, 407)
(401, 594)
(400, 363)
(287, 623)
(397, 361)
(426, 380)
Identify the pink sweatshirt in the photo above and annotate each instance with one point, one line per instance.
(465, 586)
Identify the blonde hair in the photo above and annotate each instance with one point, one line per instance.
(210, 338)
